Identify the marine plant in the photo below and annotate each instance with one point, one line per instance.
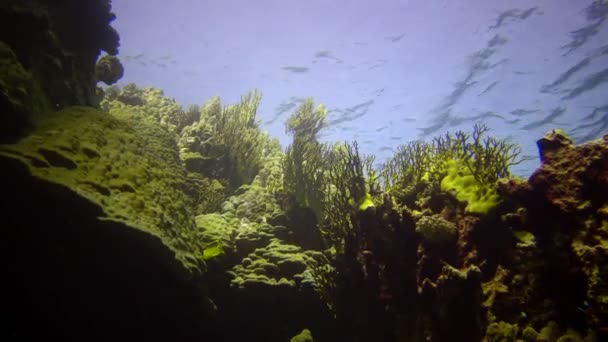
(347, 192)
(468, 164)
(332, 180)
(305, 159)
(235, 132)
(487, 158)
(226, 142)
(410, 165)
(480, 197)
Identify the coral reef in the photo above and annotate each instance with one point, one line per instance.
(134, 217)
(125, 165)
(564, 203)
(265, 267)
(93, 205)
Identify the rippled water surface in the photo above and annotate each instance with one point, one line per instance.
(389, 71)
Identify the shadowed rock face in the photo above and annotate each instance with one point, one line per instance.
(48, 53)
(97, 241)
(72, 276)
(565, 205)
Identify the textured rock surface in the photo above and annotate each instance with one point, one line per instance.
(268, 283)
(98, 228)
(562, 234)
(56, 44)
(124, 165)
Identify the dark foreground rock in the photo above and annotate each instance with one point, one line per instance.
(97, 241)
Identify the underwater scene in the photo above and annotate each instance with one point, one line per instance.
(290, 171)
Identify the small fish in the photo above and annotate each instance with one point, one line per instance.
(522, 112)
(296, 69)
(395, 39)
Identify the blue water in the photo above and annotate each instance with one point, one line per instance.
(389, 71)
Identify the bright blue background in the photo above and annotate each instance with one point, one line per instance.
(390, 71)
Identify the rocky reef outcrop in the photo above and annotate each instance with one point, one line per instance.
(99, 243)
(563, 222)
(48, 56)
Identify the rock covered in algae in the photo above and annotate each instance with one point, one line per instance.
(57, 44)
(573, 178)
(304, 336)
(436, 230)
(277, 264)
(566, 206)
(127, 167)
(94, 206)
(109, 69)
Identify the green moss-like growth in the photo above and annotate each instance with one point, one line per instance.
(215, 227)
(529, 334)
(469, 164)
(435, 230)
(149, 102)
(19, 96)
(524, 238)
(243, 221)
(495, 287)
(277, 264)
(480, 197)
(222, 143)
(124, 164)
(304, 336)
(501, 332)
(213, 250)
(486, 158)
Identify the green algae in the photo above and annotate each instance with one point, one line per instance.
(128, 167)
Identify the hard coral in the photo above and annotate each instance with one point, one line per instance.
(572, 178)
(565, 201)
(109, 69)
(435, 230)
